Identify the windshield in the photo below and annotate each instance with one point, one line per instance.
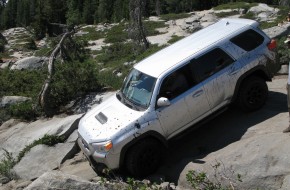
(138, 88)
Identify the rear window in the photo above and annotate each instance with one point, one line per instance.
(248, 40)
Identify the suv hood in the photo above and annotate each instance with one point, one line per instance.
(107, 119)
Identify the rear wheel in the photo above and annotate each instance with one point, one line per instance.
(144, 157)
(253, 94)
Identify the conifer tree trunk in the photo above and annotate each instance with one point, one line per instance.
(157, 7)
(137, 31)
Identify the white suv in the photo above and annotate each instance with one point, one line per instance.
(176, 88)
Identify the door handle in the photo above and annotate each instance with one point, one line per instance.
(233, 71)
(197, 94)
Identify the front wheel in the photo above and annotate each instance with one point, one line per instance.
(253, 94)
(144, 157)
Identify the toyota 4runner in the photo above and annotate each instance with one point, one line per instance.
(176, 88)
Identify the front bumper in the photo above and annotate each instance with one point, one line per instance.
(110, 160)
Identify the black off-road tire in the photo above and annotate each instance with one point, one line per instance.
(253, 94)
(144, 157)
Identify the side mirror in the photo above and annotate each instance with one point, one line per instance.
(162, 102)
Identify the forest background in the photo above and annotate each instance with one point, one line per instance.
(40, 13)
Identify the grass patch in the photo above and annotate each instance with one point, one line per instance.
(235, 5)
(222, 179)
(8, 162)
(116, 53)
(114, 57)
(226, 14)
(117, 33)
(49, 140)
(151, 26)
(92, 34)
(264, 25)
(152, 49)
(174, 39)
(45, 51)
(172, 16)
(6, 165)
(249, 15)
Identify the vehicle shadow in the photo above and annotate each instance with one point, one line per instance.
(218, 133)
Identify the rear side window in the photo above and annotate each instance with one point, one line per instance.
(210, 63)
(248, 40)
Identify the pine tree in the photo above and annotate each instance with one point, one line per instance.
(105, 10)
(88, 12)
(74, 13)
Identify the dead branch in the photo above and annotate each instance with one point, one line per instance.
(43, 98)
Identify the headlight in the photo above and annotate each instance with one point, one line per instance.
(103, 147)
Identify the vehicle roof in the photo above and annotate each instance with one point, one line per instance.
(173, 55)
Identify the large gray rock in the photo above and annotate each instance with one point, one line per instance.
(260, 160)
(263, 12)
(278, 31)
(259, 153)
(11, 100)
(29, 63)
(284, 70)
(261, 7)
(59, 180)
(42, 158)
(78, 166)
(15, 138)
(286, 183)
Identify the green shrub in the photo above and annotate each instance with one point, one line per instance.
(21, 83)
(199, 180)
(172, 16)
(4, 116)
(109, 79)
(72, 80)
(26, 111)
(2, 45)
(283, 52)
(222, 179)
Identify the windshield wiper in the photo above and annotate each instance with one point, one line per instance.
(125, 101)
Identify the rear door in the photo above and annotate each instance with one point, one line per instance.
(214, 69)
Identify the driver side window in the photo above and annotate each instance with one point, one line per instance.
(175, 84)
